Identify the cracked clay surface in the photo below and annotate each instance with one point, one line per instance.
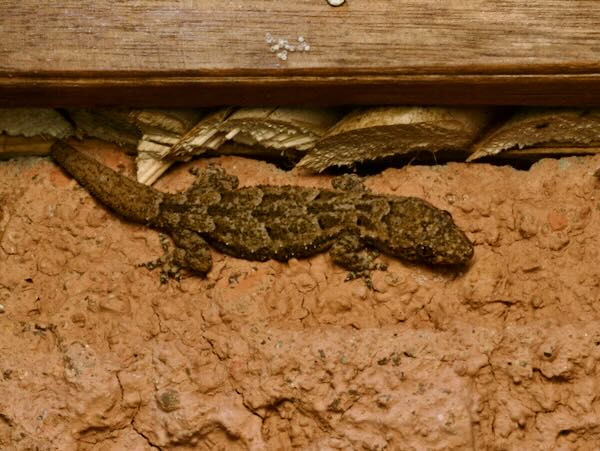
(96, 354)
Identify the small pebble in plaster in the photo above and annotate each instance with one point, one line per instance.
(168, 400)
(335, 2)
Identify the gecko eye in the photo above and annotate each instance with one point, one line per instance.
(424, 251)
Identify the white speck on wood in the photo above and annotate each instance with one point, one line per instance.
(282, 47)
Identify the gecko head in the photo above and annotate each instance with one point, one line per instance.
(420, 232)
(450, 247)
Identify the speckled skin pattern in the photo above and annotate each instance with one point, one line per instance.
(276, 222)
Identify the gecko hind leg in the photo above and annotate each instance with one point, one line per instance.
(190, 252)
(213, 177)
(351, 253)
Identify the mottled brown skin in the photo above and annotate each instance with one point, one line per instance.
(276, 222)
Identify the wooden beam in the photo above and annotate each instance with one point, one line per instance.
(209, 52)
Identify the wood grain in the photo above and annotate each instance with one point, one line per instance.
(208, 52)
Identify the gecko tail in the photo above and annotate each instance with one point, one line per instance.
(126, 197)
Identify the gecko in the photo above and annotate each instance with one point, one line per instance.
(266, 222)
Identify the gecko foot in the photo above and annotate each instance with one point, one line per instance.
(166, 262)
(365, 275)
(349, 182)
(213, 177)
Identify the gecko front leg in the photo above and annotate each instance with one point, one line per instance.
(352, 254)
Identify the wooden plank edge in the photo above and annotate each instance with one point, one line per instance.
(20, 146)
(196, 91)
